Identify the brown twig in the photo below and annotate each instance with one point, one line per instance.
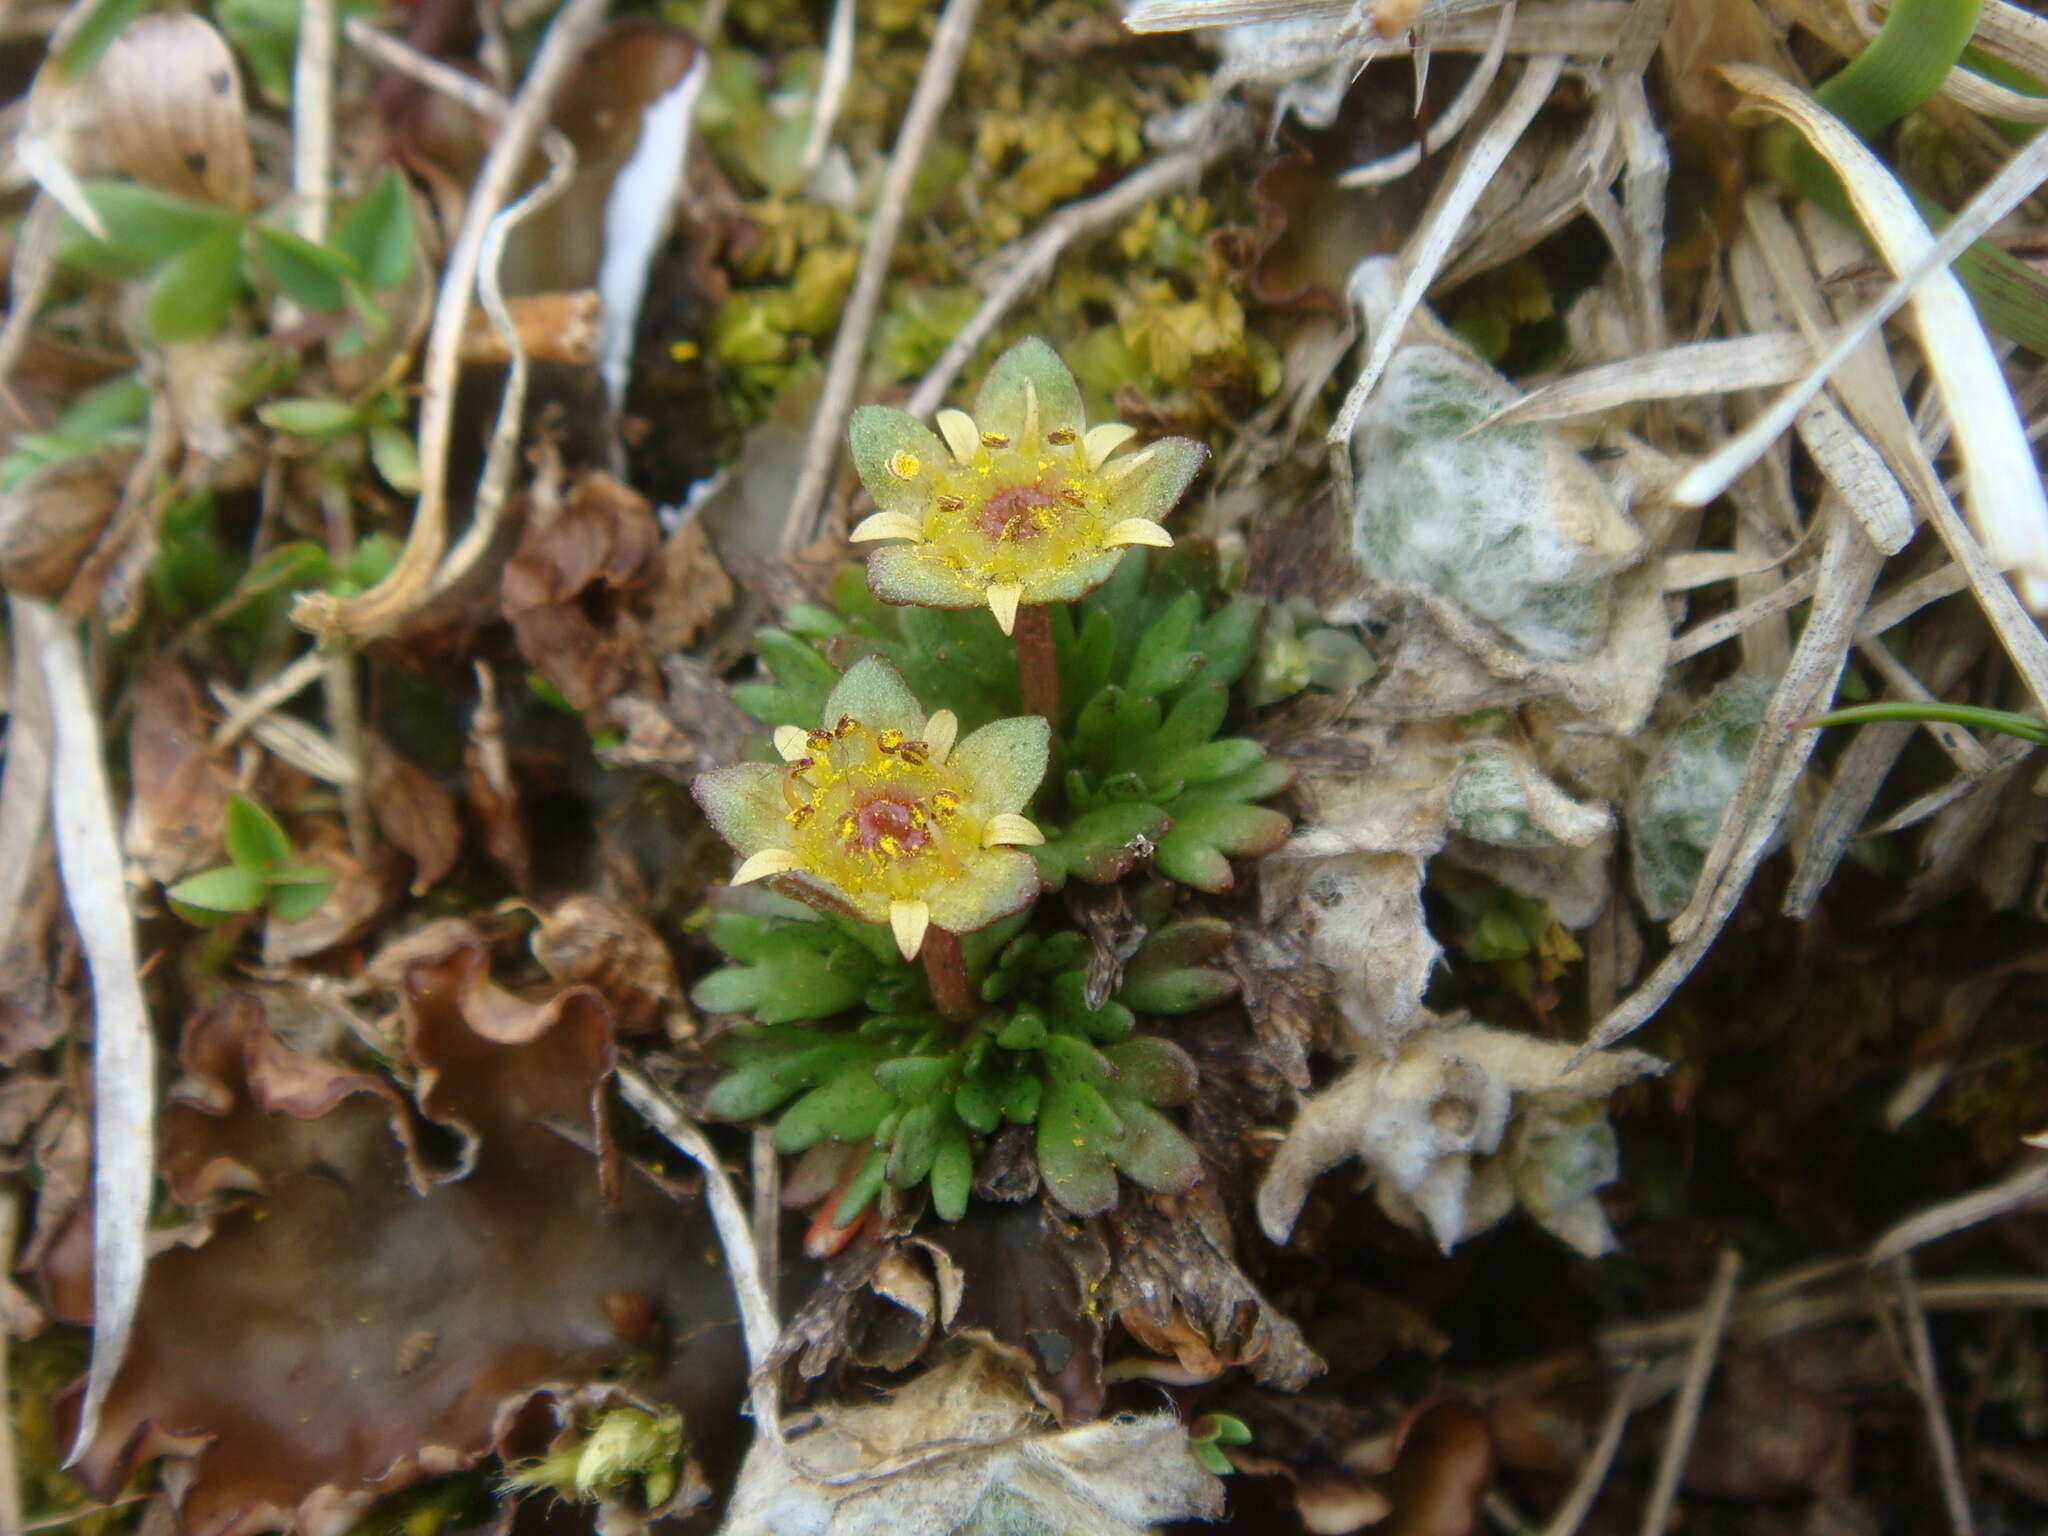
(1685, 1415)
(849, 347)
(1927, 1387)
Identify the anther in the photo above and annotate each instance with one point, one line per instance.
(1060, 436)
(995, 440)
(904, 465)
(949, 503)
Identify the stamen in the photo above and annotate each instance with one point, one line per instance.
(1060, 437)
(949, 503)
(995, 440)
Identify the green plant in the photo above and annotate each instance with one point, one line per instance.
(260, 872)
(1086, 686)
(201, 259)
(1210, 1433)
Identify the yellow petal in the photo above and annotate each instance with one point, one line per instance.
(1123, 467)
(793, 742)
(1104, 440)
(888, 525)
(908, 921)
(1009, 827)
(1030, 412)
(1003, 597)
(1138, 530)
(960, 433)
(759, 866)
(939, 734)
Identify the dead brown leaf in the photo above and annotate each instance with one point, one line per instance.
(319, 1288)
(415, 811)
(177, 790)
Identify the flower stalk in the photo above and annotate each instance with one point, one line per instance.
(946, 973)
(1038, 673)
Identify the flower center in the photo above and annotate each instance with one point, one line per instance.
(870, 806)
(1019, 513)
(886, 825)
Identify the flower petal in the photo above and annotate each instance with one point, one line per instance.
(1148, 483)
(1002, 598)
(998, 881)
(940, 732)
(1003, 762)
(759, 866)
(1077, 580)
(908, 920)
(888, 525)
(878, 434)
(874, 693)
(960, 433)
(1135, 530)
(1104, 440)
(908, 573)
(744, 805)
(793, 742)
(1007, 827)
(1001, 406)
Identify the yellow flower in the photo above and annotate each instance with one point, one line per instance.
(877, 814)
(1021, 503)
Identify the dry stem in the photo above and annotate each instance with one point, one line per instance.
(1927, 1387)
(1685, 1417)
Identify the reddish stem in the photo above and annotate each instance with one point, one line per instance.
(946, 973)
(1038, 673)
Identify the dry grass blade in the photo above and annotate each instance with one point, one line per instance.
(10, 1472)
(1431, 243)
(735, 1234)
(376, 611)
(2005, 497)
(1460, 112)
(1927, 1387)
(849, 347)
(1847, 571)
(25, 784)
(2026, 1183)
(1677, 373)
(1593, 1476)
(1699, 1370)
(123, 1049)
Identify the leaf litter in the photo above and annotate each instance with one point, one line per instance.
(492, 371)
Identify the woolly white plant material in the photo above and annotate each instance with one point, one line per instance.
(1685, 791)
(1457, 1125)
(1361, 915)
(1509, 523)
(963, 1450)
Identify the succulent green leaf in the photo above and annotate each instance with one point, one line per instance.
(308, 417)
(1075, 1059)
(867, 1183)
(952, 1175)
(977, 1104)
(846, 1107)
(253, 837)
(195, 291)
(1073, 1156)
(914, 1079)
(1022, 1097)
(215, 893)
(1152, 1150)
(291, 900)
(1103, 845)
(309, 274)
(1154, 1070)
(376, 232)
(917, 1143)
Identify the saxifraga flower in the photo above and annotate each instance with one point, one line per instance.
(1022, 502)
(877, 814)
